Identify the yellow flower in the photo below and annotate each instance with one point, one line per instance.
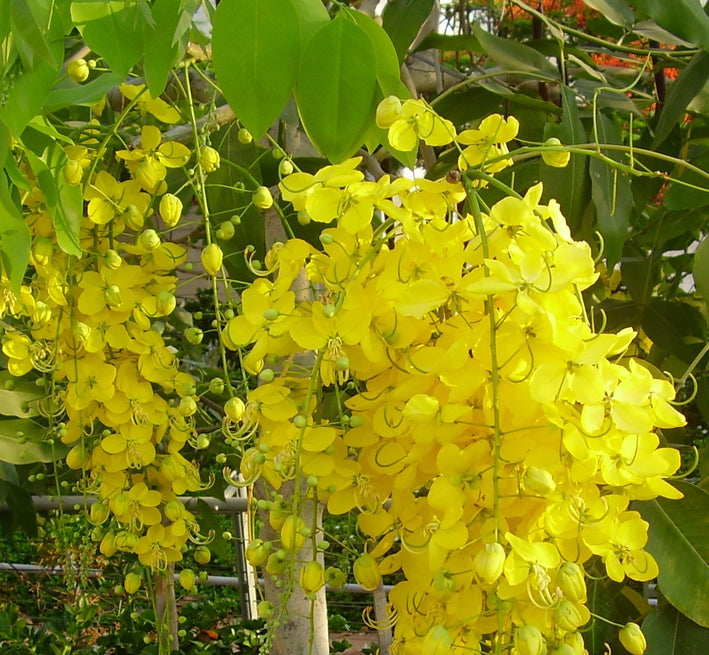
(418, 121)
(147, 104)
(488, 142)
(110, 199)
(148, 163)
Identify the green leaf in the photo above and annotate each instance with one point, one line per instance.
(21, 507)
(64, 202)
(27, 95)
(312, 15)
(616, 11)
(113, 29)
(256, 48)
(611, 194)
(15, 239)
(701, 269)
(601, 601)
(387, 64)
(32, 450)
(68, 93)
(29, 24)
(684, 18)
(514, 56)
(569, 185)
(451, 42)
(335, 89)
(402, 20)
(668, 632)
(673, 326)
(681, 92)
(678, 541)
(18, 397)
(165, 42)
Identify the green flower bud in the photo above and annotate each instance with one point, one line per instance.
(211, 257)
(528, 640)
(388, 111)
(194, 336)
(311, 577)
(571, 580)
(244, 136)
(209, 159)
(557, 159)
(262, 198)
(633, 639)
(170, 209)
(131, 583)
(78, 70)
(568, 616)
(187, 579)
(202, 555)
(366, 572)
(489, 562)
(73, 173)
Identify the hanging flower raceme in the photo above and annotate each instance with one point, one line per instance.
(118, 397)
(492, 440)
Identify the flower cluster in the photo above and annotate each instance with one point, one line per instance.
(488, 438)
(115, 391)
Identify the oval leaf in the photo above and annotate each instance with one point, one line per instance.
(32, 450)
(683, 18)
(256, 48)
(611, 195)
(678, 541)
(670, 633)
(515, 56)
(336, 86)
(113, 28)
(402, 20)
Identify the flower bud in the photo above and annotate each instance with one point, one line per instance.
(73, 173)
(194, 335)
(335, 577)
(250, 466)
(42, 313)
(366, 572)
(275, 565)
(633, 639)
(149, 239)
(538, 481)
(216, 386)
(42, 251)
(285, 167)
(262, 198)
(292, 533)
(209, 159)
(570, 579)
(126, 541)
(568, 616)
(111, 259)
(98, 513)
(244, 136)
(311, 577)
(212, 258)
(174, 510)
(489, 563)
(264, 610)
(165, 303)
(170, 209)
(78, 70)
(108, 545)
(256, 552)
(131, 582)
(557, 159)
(576, 642)
(388, 111)
(112, 295)
(188, 407)
(227, 230)
(133, 218)
(564, 649)
(234, 408)
(528, 640)
(187, 579)
(202, 555)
